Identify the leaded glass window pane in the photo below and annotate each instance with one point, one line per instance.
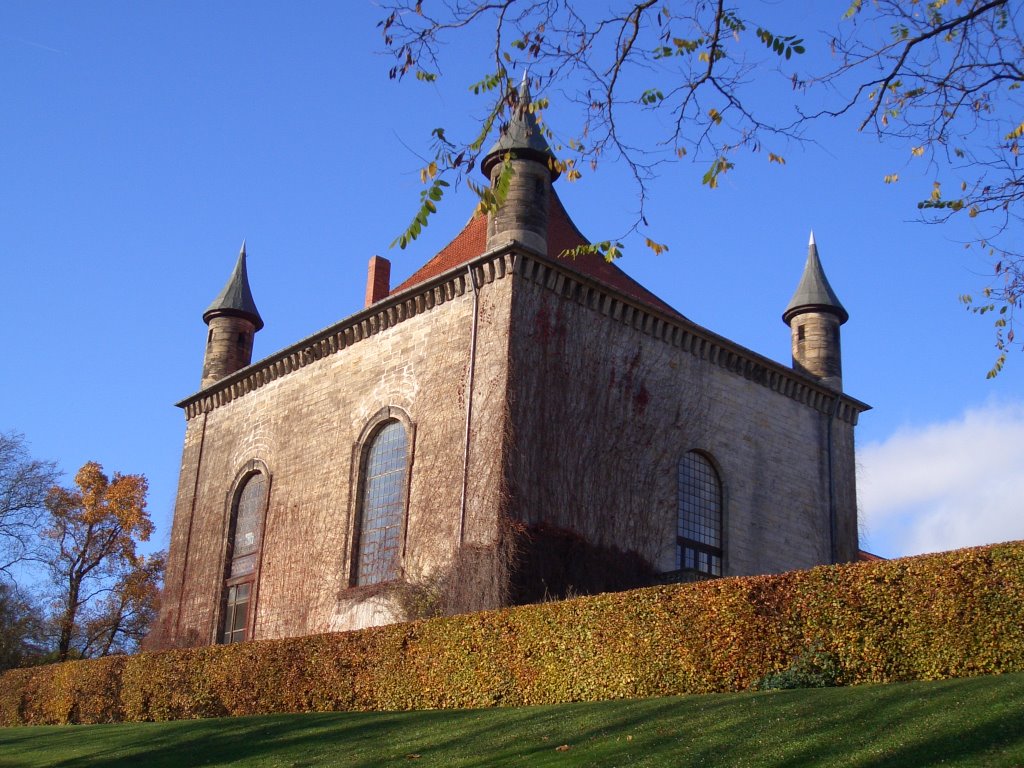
(700, 516)
(248, 525)
(236, 613)
(246, 535)
(242, 566)
(381, 506)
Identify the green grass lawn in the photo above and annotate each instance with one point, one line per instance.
(973, 722)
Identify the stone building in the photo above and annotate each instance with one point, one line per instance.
(504, 423)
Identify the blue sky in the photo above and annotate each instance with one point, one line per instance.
(140, 143)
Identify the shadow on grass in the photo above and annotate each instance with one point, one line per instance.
(961, 722)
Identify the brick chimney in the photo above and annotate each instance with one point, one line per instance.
(378, 280)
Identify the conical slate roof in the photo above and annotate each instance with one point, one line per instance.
(236, 297)
(522, 137)
(814, 293)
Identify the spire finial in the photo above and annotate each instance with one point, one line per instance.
(522, 137)
(524, 93)
(236, 297)
(814, 292)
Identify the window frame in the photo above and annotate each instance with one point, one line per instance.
(227, 582)
(359, 464)
(229, 612)
(682, 542)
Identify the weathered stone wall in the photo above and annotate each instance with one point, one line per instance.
(303, 427)
(581, 405)
(844, 473)
(605, 401)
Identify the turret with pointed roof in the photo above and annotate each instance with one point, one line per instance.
(236, 296)
(233, 321)
(523, 217)
(814, 291)
(532, 214)
(522, 138)
(814, 315)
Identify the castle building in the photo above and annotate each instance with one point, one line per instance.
(505, 423)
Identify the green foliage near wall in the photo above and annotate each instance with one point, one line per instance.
(950, 615)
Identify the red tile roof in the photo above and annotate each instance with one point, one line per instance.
(468, 244)
(864, 556)
(562, 235)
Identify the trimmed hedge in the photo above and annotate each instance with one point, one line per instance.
(949, 615)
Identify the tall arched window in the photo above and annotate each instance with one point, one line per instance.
(245, 537)
(699, 536)
(382, 505)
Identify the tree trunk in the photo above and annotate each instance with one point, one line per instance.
(67, 622)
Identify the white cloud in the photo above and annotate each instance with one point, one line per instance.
(953, 484)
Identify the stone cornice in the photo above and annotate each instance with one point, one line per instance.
(687, 335)
(548, 273)
(386, 313)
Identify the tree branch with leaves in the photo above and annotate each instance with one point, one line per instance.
(941, 76)
(945, 78)
(612, 65)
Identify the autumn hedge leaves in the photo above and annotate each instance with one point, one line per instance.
(948, 615)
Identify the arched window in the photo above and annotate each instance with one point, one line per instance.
(699, 536)
(245, 537)
(382, 505)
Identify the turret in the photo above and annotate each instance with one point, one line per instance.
(233, 321)
(814, 315)
(524, 214)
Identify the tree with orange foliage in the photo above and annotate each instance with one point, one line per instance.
(124, 617)
(103, 589)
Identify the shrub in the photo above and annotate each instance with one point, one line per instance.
(949, 615)
(813, 668)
